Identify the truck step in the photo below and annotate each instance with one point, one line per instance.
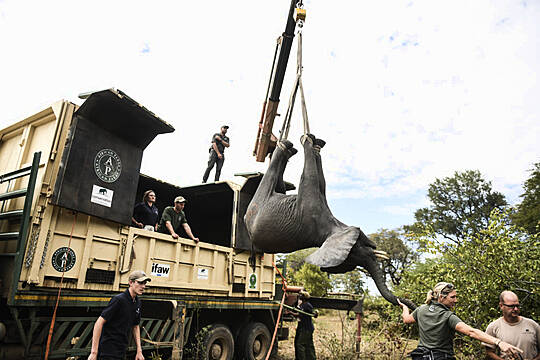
(11, 214)
(9, 236)
(12, 194)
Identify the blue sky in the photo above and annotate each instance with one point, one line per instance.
(403, 92)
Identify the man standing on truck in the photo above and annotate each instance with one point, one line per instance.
(173, 217)
(219, 142)
(122, 314)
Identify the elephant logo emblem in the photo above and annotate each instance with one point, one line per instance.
(107, 165)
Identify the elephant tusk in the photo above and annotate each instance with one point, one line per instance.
(382, 255)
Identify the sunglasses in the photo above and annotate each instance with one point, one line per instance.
(512, 306)
(141, 282)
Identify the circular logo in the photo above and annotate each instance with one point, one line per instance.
(252, 281)
(63, 259)
(107, 165)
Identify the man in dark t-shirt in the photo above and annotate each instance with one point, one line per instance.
(219, 142)
(303, 340)
(173, 217)
(122, 315)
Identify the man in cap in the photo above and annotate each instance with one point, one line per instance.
(122, 315)
(303, 340)
(514, 329)
(173, 217)
(219, 142)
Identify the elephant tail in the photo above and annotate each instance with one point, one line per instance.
(335, 248)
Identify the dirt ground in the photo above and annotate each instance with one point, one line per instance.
(325, 325)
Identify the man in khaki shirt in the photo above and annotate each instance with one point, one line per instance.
(514, 329)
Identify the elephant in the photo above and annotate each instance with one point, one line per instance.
(281, 223)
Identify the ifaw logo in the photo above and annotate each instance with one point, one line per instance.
(107, 165)
(160, 270)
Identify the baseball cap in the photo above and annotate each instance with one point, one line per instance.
(180, 199)
(139, 275)
(225, 126)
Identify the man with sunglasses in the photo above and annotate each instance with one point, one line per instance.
(121, 316)
(514, 329)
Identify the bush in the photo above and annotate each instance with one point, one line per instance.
(501, 257)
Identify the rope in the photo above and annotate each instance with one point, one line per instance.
(284, 287)
(297, 85)
(49, 338)
(281, 305)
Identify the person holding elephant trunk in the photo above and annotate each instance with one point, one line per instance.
(437, 325)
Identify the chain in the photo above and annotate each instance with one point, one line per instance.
(32, 248)
(45, 250)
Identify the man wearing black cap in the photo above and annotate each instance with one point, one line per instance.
(219, 142)
(122, 315)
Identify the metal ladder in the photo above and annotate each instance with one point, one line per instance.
(22, 215)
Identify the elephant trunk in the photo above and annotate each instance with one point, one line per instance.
(376, 273)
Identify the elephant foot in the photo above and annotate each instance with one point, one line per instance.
(287, 147)
(310, 138)
(319, 143)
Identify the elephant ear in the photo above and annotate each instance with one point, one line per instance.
(335, 248)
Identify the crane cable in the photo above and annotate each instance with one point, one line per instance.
(284, 134)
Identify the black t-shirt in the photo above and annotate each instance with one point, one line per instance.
(145, 214)
(305, 321)
(219, 144)
(121, 315)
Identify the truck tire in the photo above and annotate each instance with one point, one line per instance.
(218, 343)
(254, 341)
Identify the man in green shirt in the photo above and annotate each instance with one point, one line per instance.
(173, 217)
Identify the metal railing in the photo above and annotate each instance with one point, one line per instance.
(22, 215)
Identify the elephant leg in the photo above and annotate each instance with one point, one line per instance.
(318, 144)
(273, 179)
(280, 184)
(309, 190)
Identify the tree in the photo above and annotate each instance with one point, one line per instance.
(499, 257)
(316, 282)
(460, 207)
(351, 282)
(400, 254)
(528, 212)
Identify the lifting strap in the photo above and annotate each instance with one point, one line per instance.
(284, 134)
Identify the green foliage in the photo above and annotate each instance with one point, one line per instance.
(460, 207)
(499, 257)
(401, 255)
(313, 279)
(528, 212)
(351, 282)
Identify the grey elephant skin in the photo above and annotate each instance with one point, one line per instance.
(280, 223)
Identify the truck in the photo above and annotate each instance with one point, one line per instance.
(70, 178)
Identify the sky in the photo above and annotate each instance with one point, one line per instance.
(403, 92)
